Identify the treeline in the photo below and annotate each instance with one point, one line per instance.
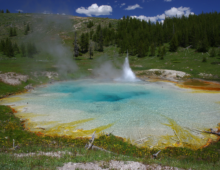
(142, 38)
(201, 32)
(2, 11)
(10, 49)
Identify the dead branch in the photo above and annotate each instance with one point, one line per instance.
(156, 154)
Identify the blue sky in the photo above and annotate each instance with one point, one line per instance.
(142, 9)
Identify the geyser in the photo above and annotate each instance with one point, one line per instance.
(127, 74)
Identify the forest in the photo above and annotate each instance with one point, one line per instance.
(141, 38)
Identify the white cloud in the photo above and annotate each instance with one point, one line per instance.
(96, 10)
(132, 7)
(122, 5)
(152, 19)
(167, 0)
(186, 11)
(46, 12)
(19, 10)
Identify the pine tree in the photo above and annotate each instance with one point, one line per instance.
(90, 51)
(9, 48)
(96, 46)
(203, 44)
(159, 53)
(110, 25)
(204, 59)
(23, 50)
(7, 11)
(76, 48)
(141, 50)
(2, 11)
(174, 43)
(90, 24)
(15, 48)
(218, 51)
(28, 27)
(100, 43)
(91, 34)
(14, 32)
(11, 32)
(2, 46)
(164, 51)
(152, 50)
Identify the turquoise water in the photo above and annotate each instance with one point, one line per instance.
(136, 109)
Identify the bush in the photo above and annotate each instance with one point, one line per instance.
(204, 59)
(212, 52)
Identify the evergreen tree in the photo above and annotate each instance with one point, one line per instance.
(76, 48)
(204, 59)
(141, 50)
(15, 48)
(218, 51)
(90, 51)
(159, 53)
(9, 48)
(91, 34)
(11, 32)
(164, 51)
(7, 11)
(14, 32)
(96, 46)
(23, 50)
(90, 24)
(110, 25)
(27, 29)
(174, 44)
(203, 44)
(2, 11)
(100, 43)
(152, 50)
(2, 46)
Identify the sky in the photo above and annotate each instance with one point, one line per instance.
(142, 9)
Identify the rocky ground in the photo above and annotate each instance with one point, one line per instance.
(116, 165)
(171, 75)
(16, 79)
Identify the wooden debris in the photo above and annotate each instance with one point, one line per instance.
(156, 154)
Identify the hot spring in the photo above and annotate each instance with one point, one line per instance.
(151, 114)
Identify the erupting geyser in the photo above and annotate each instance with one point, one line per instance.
(127, 74)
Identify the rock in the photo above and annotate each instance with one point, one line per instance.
(191, 69)
(13, 78)
(29, 87)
